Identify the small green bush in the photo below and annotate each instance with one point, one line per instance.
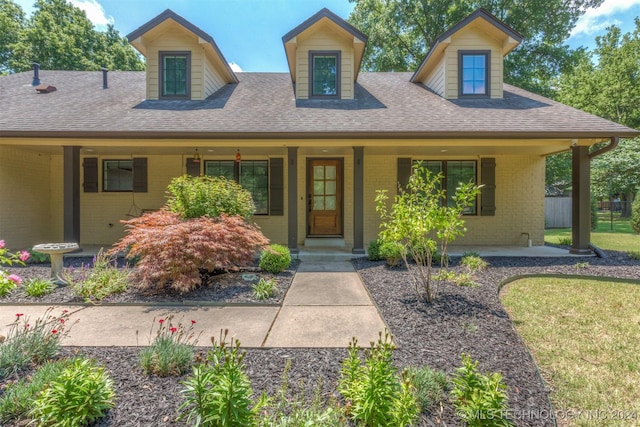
(391, 252)
(81, 394)
(31, 342)
(275, 259)
(218, 393)
(19, 396)
(39, 287)
(36, 257)
(565, 241)
(464, 279)
(171, 351)
(635, 214)
(97, 283)
(473, 262)
(373, 251)
(195, 197)
(375, 394)
(480, 399)
(264, 289)
(634, 255)
(430, 387)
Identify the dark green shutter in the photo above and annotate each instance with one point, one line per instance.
(276, 187)
(488, 192)
(193, 168)
(140, 174)
(404, 171)
(90, 183)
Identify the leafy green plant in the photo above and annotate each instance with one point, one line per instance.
(195, 197)
(98, 282)
(38, 287)
(287, 409)
(565, 241)
(579, 265)
(81, 394)
(218, 393)
(374, 393)
(37, 257)
(30, 342)
(464, 279)
(373, 250)
(423, 226)
(635, 214)
(264, 289)
(480, 399)
(430, 387)
(391, 252)
(275, 259)
(473, 262)
(171, 351)
(18, 397)
(634, 255)
(173, 253)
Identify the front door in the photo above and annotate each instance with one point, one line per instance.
(324, 197)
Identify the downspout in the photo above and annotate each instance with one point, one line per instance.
(612, 145)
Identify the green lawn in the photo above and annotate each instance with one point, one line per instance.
(622, 238)
(585, 338)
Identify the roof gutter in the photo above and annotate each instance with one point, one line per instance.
(613, 144)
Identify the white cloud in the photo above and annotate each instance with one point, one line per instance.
(95, 12)
(235, 67)
(595, 20)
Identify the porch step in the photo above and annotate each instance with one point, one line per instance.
(324, 242)
(326, 254)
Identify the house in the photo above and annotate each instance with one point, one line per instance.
(84, 150)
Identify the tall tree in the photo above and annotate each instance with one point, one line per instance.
(11, 24)
(607, 83)
(59, 36)
(401, 32)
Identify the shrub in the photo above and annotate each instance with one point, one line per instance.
(19, 396)
(194, 197)
(171, 251)
(218, 393)
(373, 251)
(38, 287)
(32, 342)
(473, 262)
(480, 399)
(374, 394)
(171, 351)
(100, 281)
(564, 241)
(634, 255)
(423, 225)
(430, 387)
(81, 394)
(391, 252)
(264, 289)
(38, 257)
(464, 279)
(275, 259)
(635, 214)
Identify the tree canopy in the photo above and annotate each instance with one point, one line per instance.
(59, 36)
(402, 31)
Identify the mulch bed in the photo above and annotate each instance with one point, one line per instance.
(462, 320)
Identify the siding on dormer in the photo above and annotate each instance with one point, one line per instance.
(324, 41)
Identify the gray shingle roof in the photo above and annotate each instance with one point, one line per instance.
(263, 105)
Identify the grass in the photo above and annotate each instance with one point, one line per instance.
(585, 337)
(622, 238)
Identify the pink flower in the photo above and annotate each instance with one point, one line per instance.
(65, 311)
(161, 321)
(173, 329)
(193, 322)
(1, 244)
(24, 255)
(19, 314)
(62, 321)
(55, 331)
(15, 279)
(27, 326)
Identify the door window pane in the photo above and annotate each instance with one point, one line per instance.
(330, 203)
(330, 188)
(318, 188)
(318, 203)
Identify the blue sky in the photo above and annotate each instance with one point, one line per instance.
(249, 32)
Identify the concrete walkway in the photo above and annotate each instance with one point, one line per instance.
(326, 306)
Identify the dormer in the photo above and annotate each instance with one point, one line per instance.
(183, 62)
(324, 54)
(466, 61)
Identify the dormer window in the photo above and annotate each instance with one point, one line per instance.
(473, 72)
(324, 74)
(175, 75)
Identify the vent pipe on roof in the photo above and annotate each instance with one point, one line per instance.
(104, 78)
(36, 74)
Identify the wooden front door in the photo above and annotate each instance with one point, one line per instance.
(324, 197)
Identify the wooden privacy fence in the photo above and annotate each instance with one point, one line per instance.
(557, 212)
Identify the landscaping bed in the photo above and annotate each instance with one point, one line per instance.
(462, 320)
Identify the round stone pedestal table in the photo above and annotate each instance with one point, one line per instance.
(55, 252)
